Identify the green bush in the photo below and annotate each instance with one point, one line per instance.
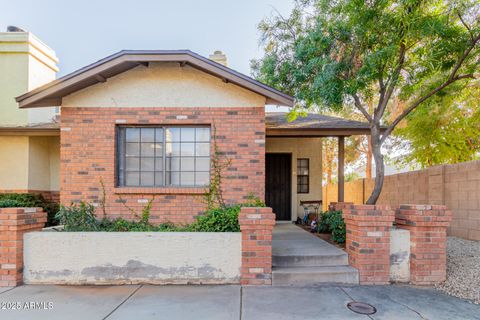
(16, 200)
(81, 217)
(78, 217)
(332, 221)
(9, 203)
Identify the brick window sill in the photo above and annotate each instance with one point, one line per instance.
(162, 190)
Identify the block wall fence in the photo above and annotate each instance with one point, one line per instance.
(456, 186)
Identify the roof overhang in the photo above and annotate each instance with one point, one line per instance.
(314, 133)
(52, 93)
(26, 131)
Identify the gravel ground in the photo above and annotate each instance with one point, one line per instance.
(463, 269)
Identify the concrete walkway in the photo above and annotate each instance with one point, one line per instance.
(230, 302)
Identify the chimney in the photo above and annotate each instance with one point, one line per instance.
(34, 64)
(219, 57)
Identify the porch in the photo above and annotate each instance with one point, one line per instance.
(293, 172)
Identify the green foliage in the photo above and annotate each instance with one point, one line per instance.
(78, 217)
(10, 203)
(443, 130)
(30, 200)
(81, 217)
(332, 221)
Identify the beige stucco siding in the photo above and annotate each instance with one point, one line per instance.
(310, 148)
(29, 163)
(13, 163)
(164, 85)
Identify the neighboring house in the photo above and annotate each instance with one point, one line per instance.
(29, 138)
(144, 124)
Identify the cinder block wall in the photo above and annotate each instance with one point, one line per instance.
(88, 155)
(457, 186)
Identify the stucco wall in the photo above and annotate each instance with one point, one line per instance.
(131, 257)
(164, 85)
(310, 148)
(14, 154)
(29, 163)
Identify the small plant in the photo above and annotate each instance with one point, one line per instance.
(332, 222)
(78, 217)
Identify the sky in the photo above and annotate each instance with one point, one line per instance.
(82, 32)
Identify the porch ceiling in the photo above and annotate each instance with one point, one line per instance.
(313, 125)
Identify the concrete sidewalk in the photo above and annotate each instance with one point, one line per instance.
(229, 302)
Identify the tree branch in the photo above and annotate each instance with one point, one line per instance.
(392, 126)
(358, 105)
(451, 79)
(382, 104)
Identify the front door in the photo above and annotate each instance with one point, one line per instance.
(278, 184)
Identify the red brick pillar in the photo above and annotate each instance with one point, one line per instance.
(368, 241)
(256, 225)
(14, 222)
(338, 206)
(428, 241)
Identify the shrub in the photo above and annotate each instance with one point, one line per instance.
(9, 203)
(16, 200)
(78, 217)
(81, 217)
(332, 221)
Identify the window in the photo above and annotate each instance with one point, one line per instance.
(303, 175)
(163, 156)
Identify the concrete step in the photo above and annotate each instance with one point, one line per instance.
(314, 260)
(310, 276)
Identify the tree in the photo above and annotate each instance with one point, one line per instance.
(444, 130)
(329, 54)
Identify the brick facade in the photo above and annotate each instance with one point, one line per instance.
(256, 225)
(428, 234)
(14, 222)
(88, 155)
(368, 240)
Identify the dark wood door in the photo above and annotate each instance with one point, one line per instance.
(278, 184)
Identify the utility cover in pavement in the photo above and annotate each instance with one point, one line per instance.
(361, 307)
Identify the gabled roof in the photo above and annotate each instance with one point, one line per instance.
(313, 124)
(52, 93)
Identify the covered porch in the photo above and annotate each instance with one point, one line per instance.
(293, 161)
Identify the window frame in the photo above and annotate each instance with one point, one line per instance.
(121, 142)
(299, 160)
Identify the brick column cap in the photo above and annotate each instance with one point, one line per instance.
(423, 215)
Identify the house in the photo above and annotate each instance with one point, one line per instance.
(141, 125)
(29, 138)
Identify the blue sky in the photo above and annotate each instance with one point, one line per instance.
(82, 32)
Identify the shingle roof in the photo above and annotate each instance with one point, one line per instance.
(277, 121)
(51, 94)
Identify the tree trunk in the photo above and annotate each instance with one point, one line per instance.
(379, 166)
(368, 167)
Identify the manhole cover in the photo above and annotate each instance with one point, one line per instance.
(361, 307)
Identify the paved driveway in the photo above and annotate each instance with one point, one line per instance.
(228, 302)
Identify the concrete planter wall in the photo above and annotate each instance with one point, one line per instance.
(132, 257)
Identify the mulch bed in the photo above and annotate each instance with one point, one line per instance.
(324, 236)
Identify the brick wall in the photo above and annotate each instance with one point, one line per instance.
(368, 240)
(457, 186)
(88, 155)
(428, 241)
(256, 225)
(14, 222)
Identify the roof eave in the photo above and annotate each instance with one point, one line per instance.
(125, 60)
